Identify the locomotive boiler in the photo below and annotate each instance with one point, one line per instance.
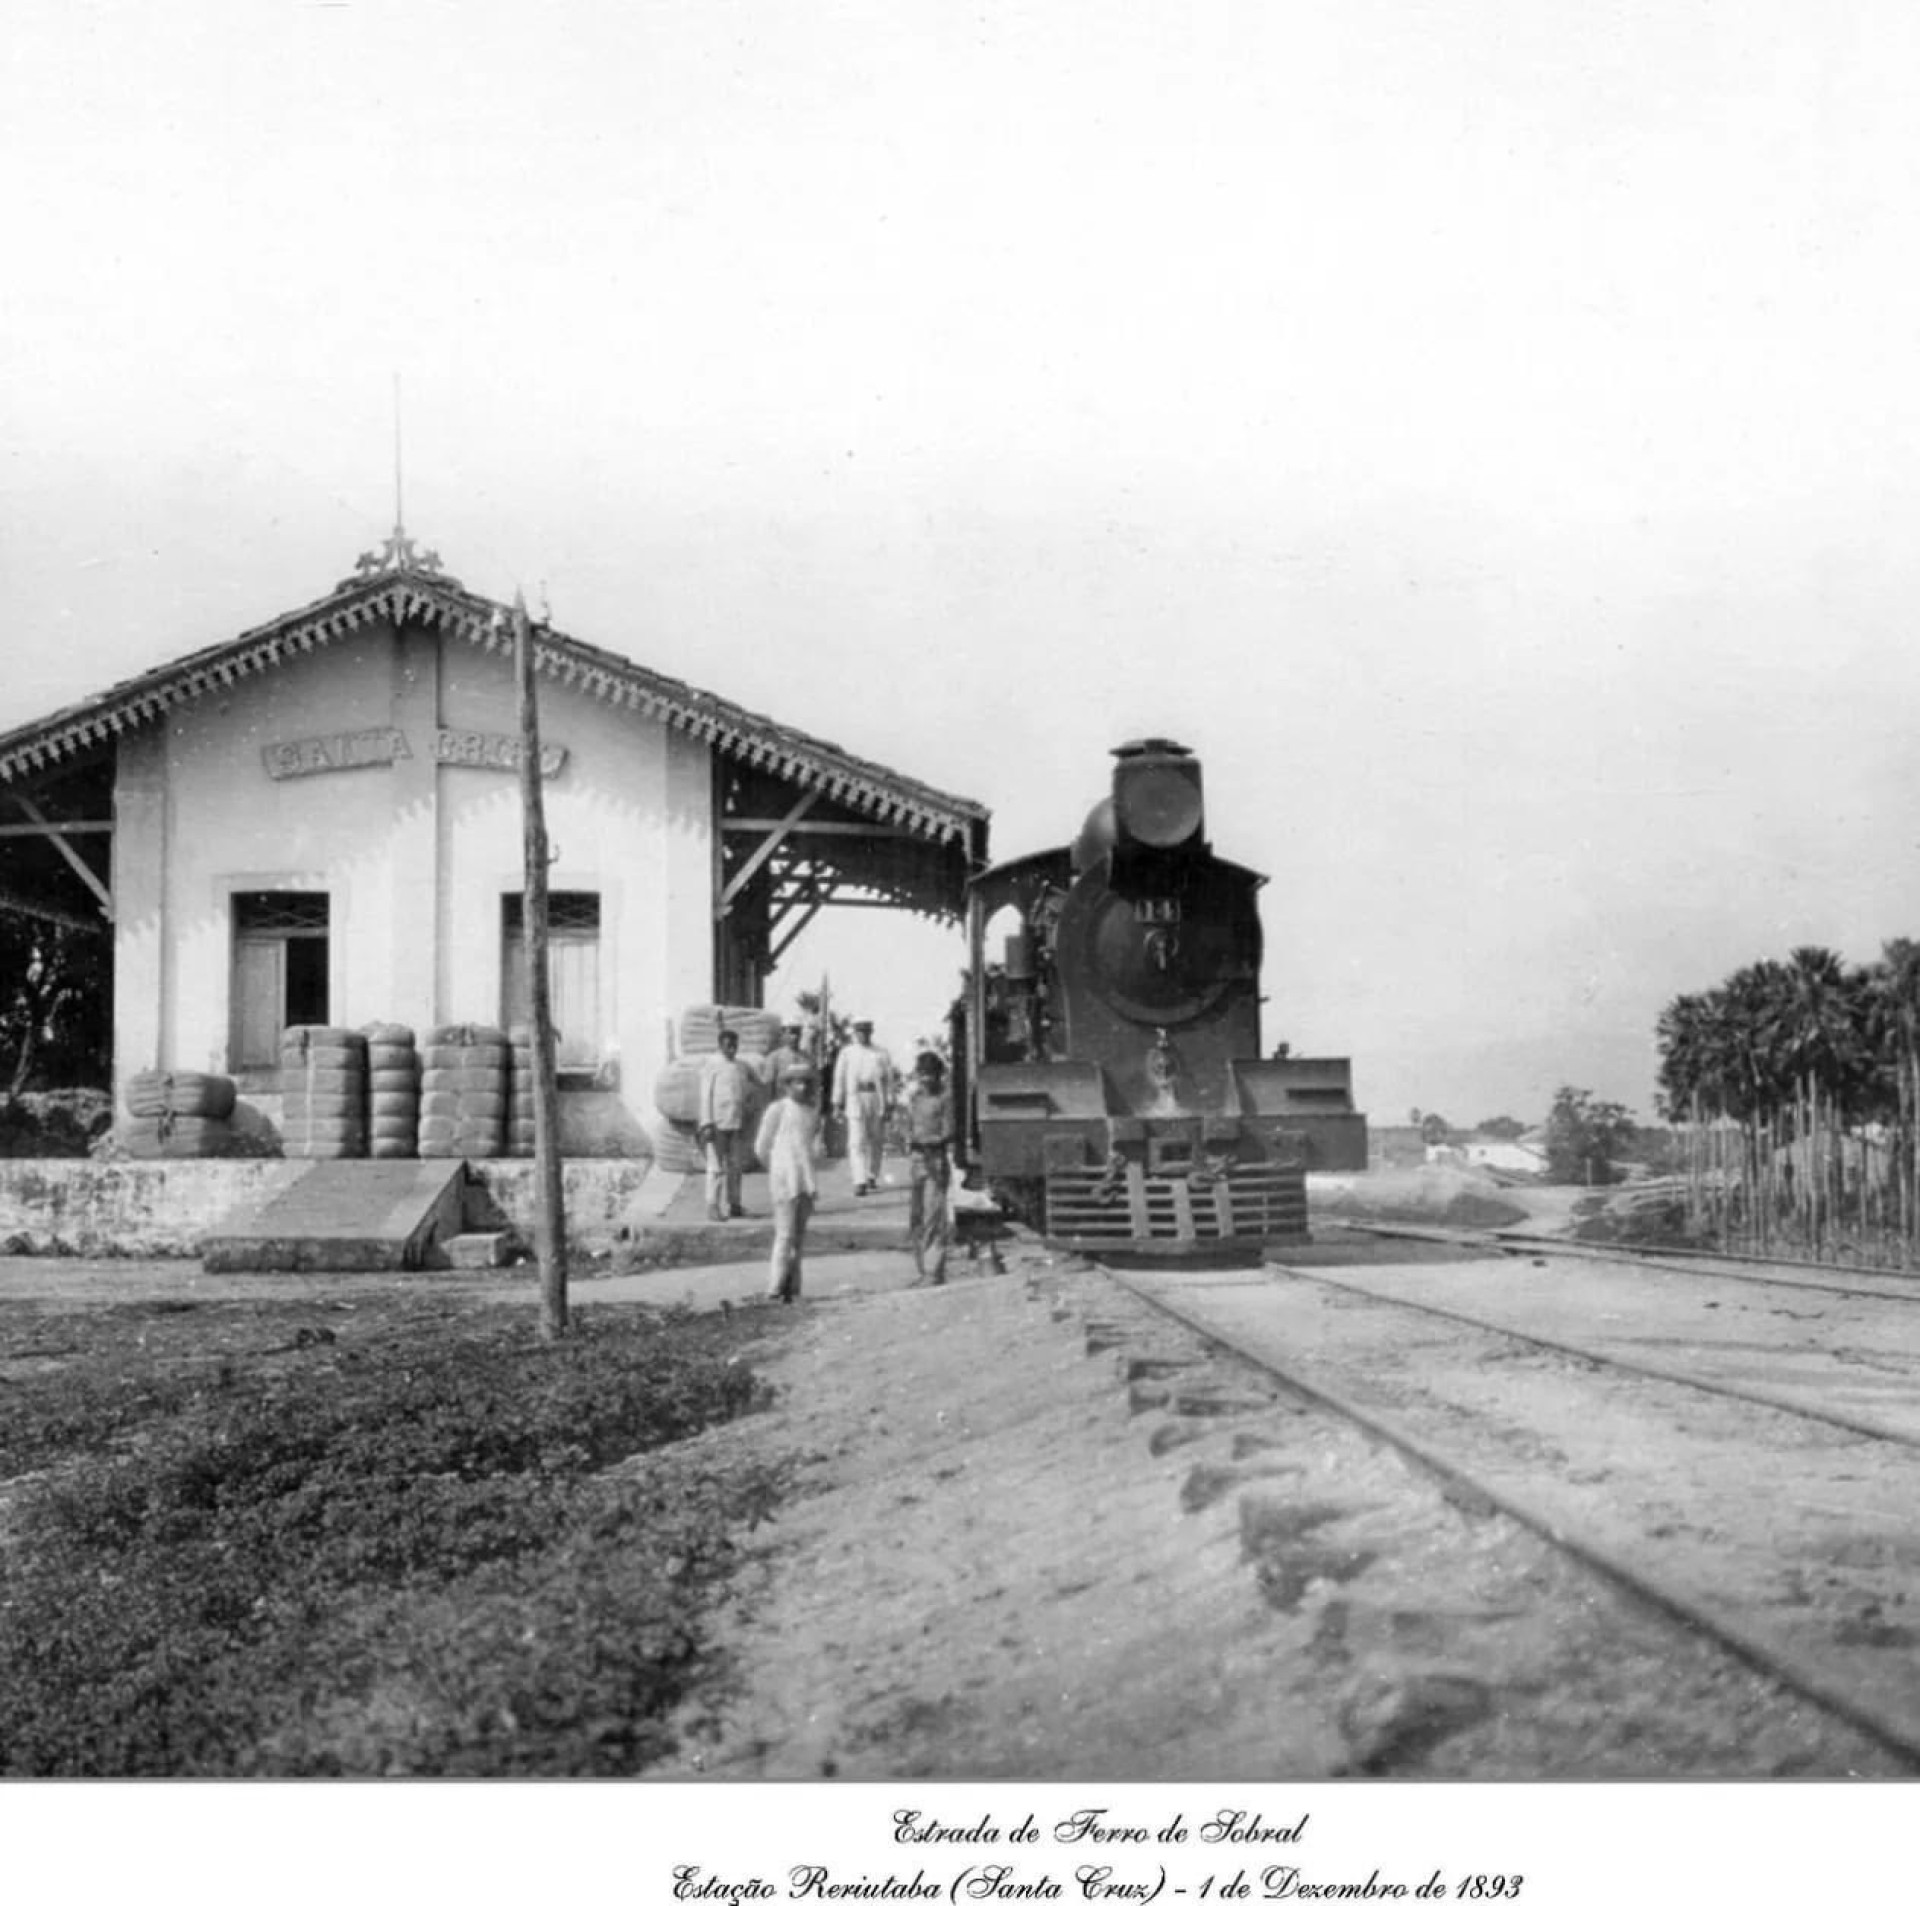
(1117, 1095)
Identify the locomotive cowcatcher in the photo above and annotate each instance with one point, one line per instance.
(1116, 1094)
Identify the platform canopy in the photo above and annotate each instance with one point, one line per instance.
(801, 824)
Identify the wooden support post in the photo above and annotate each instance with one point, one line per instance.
(549, 1209)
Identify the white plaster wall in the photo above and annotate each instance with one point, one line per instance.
(231, 827)
(415, 856)
(620, 815)
(139, 863)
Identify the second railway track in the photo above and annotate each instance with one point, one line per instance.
(1741, 1456)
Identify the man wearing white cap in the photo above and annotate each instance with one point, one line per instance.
(862, 1094)
(785, 1144)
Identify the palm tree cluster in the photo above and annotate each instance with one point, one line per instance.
(1796, 1085)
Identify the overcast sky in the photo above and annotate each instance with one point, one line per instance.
(1489, 435)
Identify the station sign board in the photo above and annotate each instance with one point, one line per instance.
(382, 747)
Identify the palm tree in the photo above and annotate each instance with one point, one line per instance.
(1689, 1036)
(1894, 1023)
(1750, 1019)
(1815, 1028)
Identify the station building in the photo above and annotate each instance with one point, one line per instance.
(319, 821)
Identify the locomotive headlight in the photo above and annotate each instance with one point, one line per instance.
(1156, 795)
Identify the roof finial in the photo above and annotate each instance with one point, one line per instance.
(398, 554)
(399, 494)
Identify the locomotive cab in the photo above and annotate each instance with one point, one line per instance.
(1118, 1097)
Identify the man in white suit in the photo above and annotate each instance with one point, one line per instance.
(863, 1087)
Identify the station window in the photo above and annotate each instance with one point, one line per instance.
(573, 974)
(280, 971)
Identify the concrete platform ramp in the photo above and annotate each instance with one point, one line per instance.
(347, 1214)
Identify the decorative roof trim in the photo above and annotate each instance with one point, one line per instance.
(439, 602)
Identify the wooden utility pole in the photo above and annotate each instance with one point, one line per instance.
(549, 1206)
(823, 1060)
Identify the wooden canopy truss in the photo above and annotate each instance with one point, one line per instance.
(56, 844)
(785, 852)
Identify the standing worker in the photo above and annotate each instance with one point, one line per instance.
(785, 1144)
(725, 1087)
(790, 1057)
(862, 1095)
(929, 1151)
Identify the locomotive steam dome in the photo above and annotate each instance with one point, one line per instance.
(1095, 842)
(1156, 795)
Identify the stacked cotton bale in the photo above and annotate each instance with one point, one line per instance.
(676, 1097)
(463, 1092)
(676, 1092)
(393, 1092)
(520, 1092)
(323, 1092)
(177, 1115)
(701, 1027)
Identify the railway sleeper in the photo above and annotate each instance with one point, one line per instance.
(1199, 1399)
(1206, 1483)
(1395, 1721)
(1271, 1436)
(1216, 1400)
(1358, 1625)
(1147, 1369)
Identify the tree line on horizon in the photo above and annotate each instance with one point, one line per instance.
(1794, 1089)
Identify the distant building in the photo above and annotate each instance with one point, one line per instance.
(1514, 1155)
(318, 821)
(1517, 1157)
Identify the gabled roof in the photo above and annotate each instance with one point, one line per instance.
(408, 585)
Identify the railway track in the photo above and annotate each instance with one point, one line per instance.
(1854, 1281)
(1733, 1447)
(1663, 1337)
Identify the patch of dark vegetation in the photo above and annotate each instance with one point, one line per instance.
(94, 1245)
(1468, 1210)
(401, 1547)
(1647, 1221)
(61, 1124)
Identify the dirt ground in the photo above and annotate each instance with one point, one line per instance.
(990, 1567)
(988, 1574)
(996, 1567)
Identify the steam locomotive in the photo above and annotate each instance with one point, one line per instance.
(1115, 1094)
